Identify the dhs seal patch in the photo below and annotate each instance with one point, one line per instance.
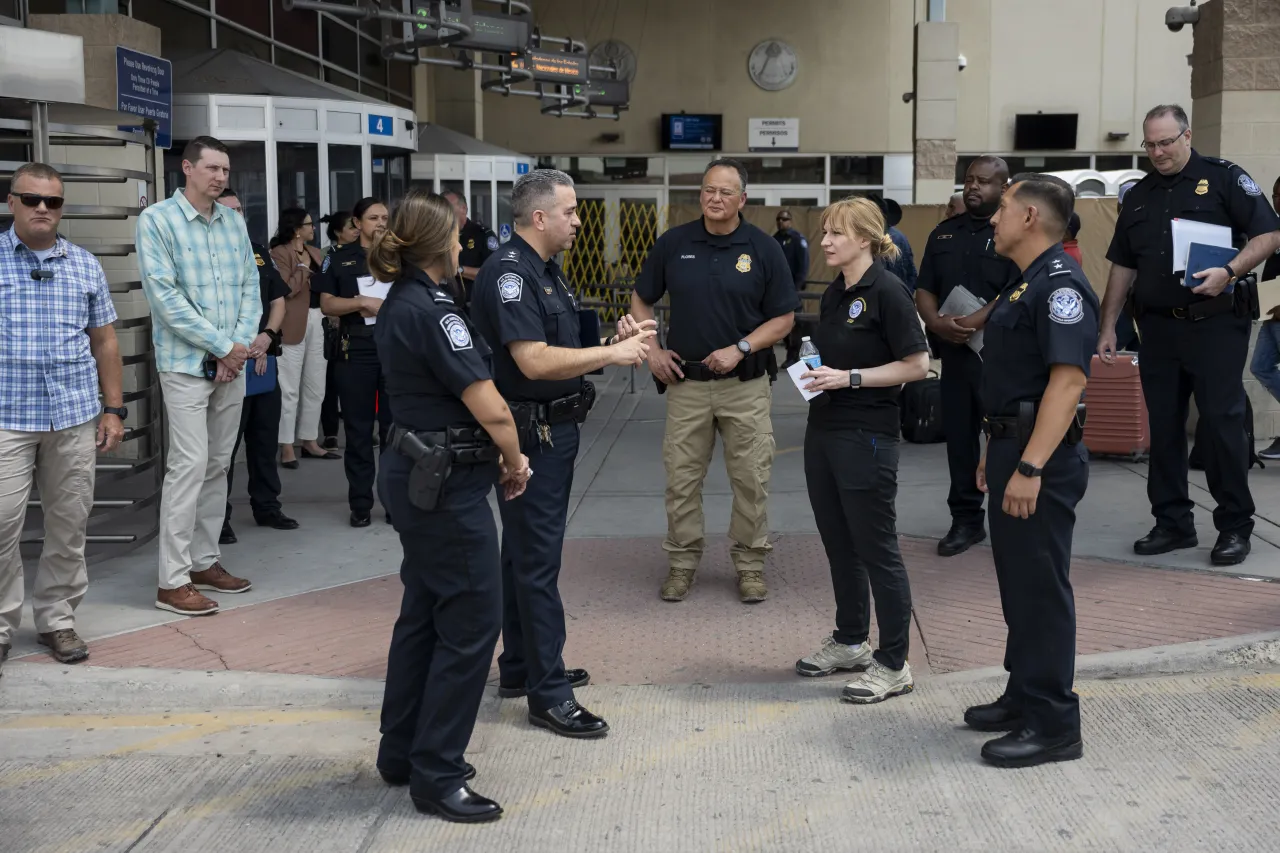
(1066, 306)
(510, 286)
(855, 310)
(1247, 184)
(492, 243)
(456, 331)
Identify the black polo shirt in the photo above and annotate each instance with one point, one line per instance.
(962, 251)
(270, 283)
(722, 287)
(870, 324)
(796, 249)
(340, 276)
(520, 297)
(1050, 318)
(429, 353)
(1206, 190)
(478, 243)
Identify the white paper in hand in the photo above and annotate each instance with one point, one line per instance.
(376, 289)
(1188, 231)
(794, 372)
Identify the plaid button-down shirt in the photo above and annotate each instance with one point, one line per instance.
(200, 280)
(48, 376)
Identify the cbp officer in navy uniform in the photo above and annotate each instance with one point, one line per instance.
(796, 248)
(1038, 345)
(523, 308)
(361, 389)
(478, 243)
(961, 252)
(438, 377)
(1195, 335)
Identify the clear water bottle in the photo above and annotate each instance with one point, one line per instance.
(809, 354)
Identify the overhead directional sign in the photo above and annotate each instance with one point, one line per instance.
(549, 67)
(144, 87)
(605, 93)
(489, 32)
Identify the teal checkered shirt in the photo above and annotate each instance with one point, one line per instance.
(201, 281)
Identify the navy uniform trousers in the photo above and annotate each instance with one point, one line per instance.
(1033, 562)
(960, 387)
(260, 431)
(1205, 358)
(361, 390)
(532, 541)
(443, 642)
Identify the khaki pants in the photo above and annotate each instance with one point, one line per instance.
(63, 464)
(301, 370)
(204, 419)
(739, 412)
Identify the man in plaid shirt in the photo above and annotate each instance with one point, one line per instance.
(55, 316)
(201, 281)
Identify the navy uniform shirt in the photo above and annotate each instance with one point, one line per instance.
(520, 297)
(1050, 318)
(340, 276)
(478, 243)
(962, 251)
(723, 286)
(868, 325)
(1206, 190)
(904, 266)
(269, 282)
(429, 354)
(796, 248)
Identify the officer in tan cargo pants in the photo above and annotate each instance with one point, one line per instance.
(732, 298)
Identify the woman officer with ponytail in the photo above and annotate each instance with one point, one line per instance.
(870, 341)
(446, 406)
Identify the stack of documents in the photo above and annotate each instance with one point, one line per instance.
(1198, 246)
(961, 303)
(371, 287)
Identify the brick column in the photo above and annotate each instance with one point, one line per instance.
(936, 96)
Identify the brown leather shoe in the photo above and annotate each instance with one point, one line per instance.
(217, 579)
(185, 601)
(66, 645)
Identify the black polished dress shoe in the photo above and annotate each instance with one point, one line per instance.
(330, 442)
(462, 806)
(575, 677)
(569, 719)
(228, 536)
(1027, 749)
(1230, 549)
(361, 519)
(960, 539)
(1001, 715)
(1162, 540)
(278, 520)
(398, 779)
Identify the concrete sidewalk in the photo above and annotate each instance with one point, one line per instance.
(146, 761)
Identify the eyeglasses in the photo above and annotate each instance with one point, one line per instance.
(1163, 143)
(53, 202)
(718, 191)
(308, 224)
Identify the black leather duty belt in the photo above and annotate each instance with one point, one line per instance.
(466, 445)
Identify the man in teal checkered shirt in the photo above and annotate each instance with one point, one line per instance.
(201, 281)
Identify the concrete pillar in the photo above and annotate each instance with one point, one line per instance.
(457, 101)
(936, 99)
(101, 34)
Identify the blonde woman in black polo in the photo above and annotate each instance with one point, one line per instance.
(870, 341)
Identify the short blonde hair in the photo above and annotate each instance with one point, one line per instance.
(862, 216)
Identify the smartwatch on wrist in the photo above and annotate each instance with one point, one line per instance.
(855, 379)
(1026, 469)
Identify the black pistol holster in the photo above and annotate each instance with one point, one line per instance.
(1022, 425)
(534, 420)
(431, 466)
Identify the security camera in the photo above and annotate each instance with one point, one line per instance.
(964, 62)
(1179, 16)
(908, 97)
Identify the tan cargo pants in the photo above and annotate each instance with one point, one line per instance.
(739, 412)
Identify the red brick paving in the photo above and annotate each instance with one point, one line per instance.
(623, 633)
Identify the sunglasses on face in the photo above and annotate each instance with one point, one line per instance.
(53, 202)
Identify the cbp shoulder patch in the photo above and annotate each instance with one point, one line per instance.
(510, 287)
(324, 267)
(456, 331)
(1247, 184)
(804, 244)
(1066, 306)
(492, 243)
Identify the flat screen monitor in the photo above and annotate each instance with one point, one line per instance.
(1045, 131)
(685, 132)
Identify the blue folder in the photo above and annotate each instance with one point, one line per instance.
(1201, 257)
(255, 384)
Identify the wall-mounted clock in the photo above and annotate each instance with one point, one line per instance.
(617, 53)
(773, 65)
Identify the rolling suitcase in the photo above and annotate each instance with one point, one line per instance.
(1116, 424)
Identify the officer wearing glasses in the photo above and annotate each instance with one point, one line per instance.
(1195, 332)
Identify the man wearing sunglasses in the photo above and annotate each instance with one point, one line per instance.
(56, 310)
(1195, 329)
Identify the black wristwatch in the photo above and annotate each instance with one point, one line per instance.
(744, 346)
(120, 412)
(1231, 274)
(1026, 469)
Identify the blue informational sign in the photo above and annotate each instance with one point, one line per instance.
(144, 87)
(522, 168)
(504, 232)
(381, 126)
(691, 132)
